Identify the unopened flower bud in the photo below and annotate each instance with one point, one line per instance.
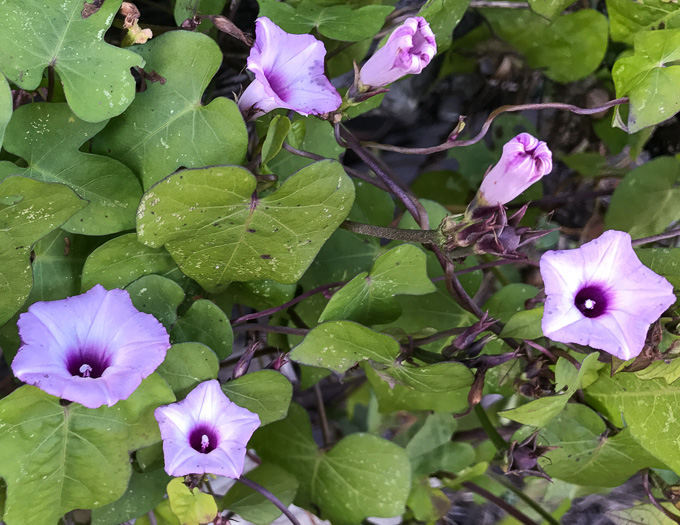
(525, 160)
(408, 50)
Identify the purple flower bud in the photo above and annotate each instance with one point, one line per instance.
(94, 348)
(289, 73)
(601, 295)
(525, 160)
(205, 433)
(408, 50)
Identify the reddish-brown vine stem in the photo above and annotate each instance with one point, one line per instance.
(487, 124)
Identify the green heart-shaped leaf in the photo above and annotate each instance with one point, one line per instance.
(218, 230)
(60, 452)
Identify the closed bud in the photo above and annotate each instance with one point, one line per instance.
(408, 50)
(525, 160)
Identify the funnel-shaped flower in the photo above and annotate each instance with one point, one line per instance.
(525, 160)
(94, 348)
(408, 50)
(602, 296)
(205, 433)
(289, 73)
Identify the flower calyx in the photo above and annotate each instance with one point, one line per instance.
(489, 230)
(523, 458)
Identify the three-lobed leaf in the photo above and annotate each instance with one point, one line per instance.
(646, 407)
(167, 127)
(586, 454)
(218, 230)
(47, 136)
(96, 75)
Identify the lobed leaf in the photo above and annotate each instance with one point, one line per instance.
(96, 75)
(47, 137)
(167, 127)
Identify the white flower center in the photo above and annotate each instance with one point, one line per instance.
(205, 442)
(589, 304)
(85, 370)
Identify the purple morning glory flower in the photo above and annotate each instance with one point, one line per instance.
(289, 73)
(525, 160)
(602, 296)
(94, 348)
(408, 50)
(205, 433)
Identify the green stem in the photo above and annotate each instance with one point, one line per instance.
(498, 441)
(419, 236)
(526, 499)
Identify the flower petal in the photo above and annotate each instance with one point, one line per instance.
(205, 406)
(289, 73)
(98, 326)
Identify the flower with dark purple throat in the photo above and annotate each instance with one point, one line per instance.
(289, 73)
(407, 51)
(602, 296)
(524, 161)
(205, 433)
(94, 348)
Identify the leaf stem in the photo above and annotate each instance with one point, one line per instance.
(503, 4)
(325, 429)
(400, 234)
(259, 488)
(346, 139)
(50, 82)
(661, 508)
(254, 327)
(512, 511)
(288, 304)
(526, 499)
(354, 173)
(667, 235)
(497, 440)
